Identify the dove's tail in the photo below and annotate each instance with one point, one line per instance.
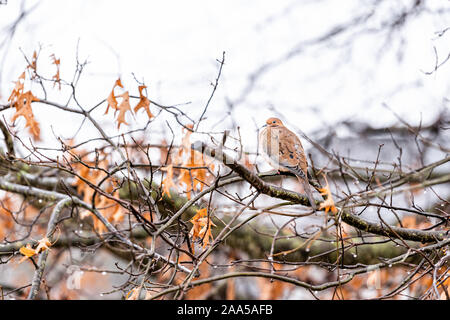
(308, 191)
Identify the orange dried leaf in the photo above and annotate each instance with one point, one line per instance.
(201, 228)
(18, 89)
(328, 204)
(123, 107)
(43, 244)
(23, 108)
(143, 103)
(118, 83)
(27, 251)
(112, 102)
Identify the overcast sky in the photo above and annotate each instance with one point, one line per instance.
(173, 46)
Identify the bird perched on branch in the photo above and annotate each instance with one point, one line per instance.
(284, 151)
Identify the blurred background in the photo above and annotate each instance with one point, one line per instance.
(316, 63)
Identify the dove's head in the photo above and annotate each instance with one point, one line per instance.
(274, 122)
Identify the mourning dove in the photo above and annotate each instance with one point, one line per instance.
(284, 151)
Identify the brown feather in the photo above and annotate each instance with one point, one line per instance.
(284, 151)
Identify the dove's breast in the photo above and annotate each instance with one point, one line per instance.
(269, 140)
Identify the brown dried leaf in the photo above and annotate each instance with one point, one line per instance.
(123, 107)
(112, 102)
(143, 103)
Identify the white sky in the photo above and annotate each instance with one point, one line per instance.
(173, 46)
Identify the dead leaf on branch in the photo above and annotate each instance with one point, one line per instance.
(123, 107)
(22, 102)
(28, 251)
(111, 100)
(201, 228)
(18, 89)
(328, 204)
(144, 102)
